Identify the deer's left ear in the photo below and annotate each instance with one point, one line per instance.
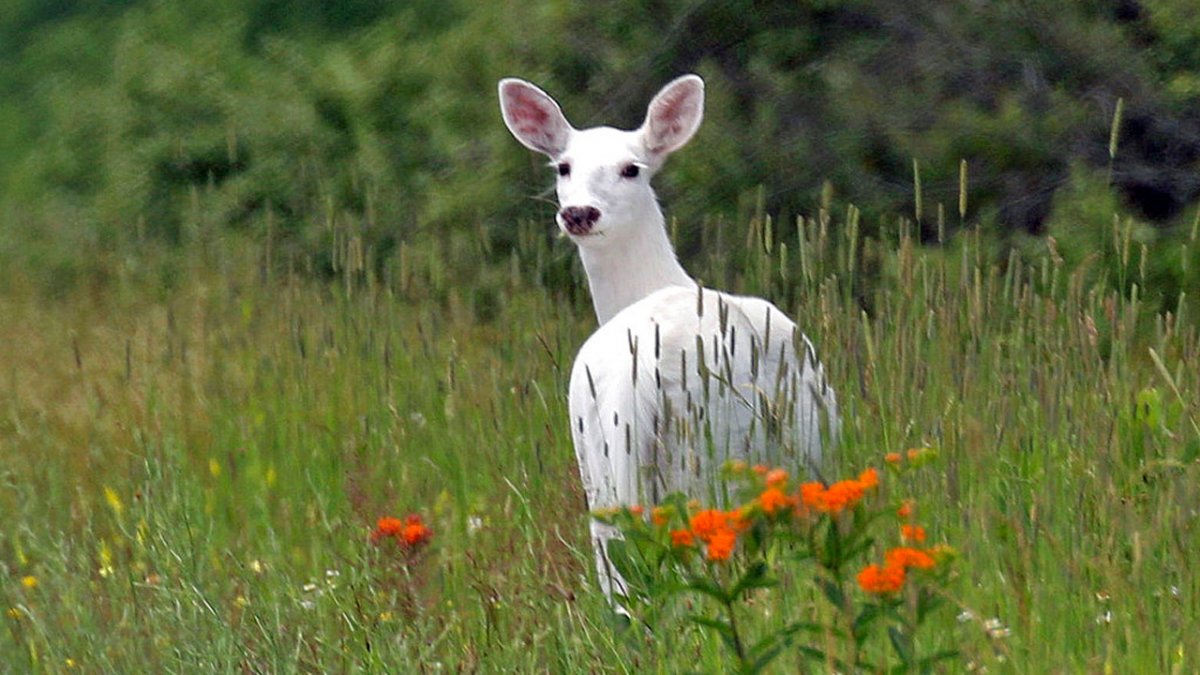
(673, 116)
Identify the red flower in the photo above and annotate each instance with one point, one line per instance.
(914, 533)
(706, 524)
(387, 527)
(410, 532)
(415, 532)
(720, 546)
(773, 500)
(904, 557)
(881, 580)
(682, 539)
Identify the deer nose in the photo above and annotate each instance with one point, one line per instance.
(579, 219)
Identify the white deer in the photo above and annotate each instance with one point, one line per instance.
(678, 378)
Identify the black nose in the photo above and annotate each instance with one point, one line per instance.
(579, 219)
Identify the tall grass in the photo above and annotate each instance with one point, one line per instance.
(189, 475)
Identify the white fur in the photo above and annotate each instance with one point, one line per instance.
(677, 379)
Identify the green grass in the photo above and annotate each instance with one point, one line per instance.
(191, 473)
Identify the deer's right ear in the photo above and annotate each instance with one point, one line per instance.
(533, 117)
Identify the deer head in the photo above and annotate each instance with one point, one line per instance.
(604, 174)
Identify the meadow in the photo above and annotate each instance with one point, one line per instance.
(195, 451)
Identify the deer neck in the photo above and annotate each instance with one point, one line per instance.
(624, 271)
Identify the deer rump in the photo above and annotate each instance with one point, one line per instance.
(675, 385)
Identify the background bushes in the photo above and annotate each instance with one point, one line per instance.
(295, 119)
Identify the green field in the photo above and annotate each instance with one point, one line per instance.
(190, 471)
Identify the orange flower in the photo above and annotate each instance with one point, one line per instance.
(906, 509)
(387, 527)
(637, 510)
(915, 453)
(760, 469)
(773, 500)
(737, 520)
(892, 458)
(914, 533)
(841, 495)
(659, 516)
(776, 477)
(905, 558)
(415, 532)
(720, 546)
(707, 524)
(811, 494)
(682, 539)
(881, 580)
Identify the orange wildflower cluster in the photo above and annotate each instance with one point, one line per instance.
(881, 580)
(717, 529)
(682, 538)
(773, 500)
(659, 516)
(889, 578)
(916, 455)
(412, 532)
(914, 533)
(839, 496)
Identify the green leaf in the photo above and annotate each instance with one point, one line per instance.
(1191, 451)
(710, 588)
(755, 577)
(817, 655)
(943, 655)
(927, 602)
(723, 628)
(765, 658)
(863, 621)
(833, 592)
(902, 643)
(833, 546)
(633, 570)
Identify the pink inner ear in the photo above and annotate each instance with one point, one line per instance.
(671, 111)
(527, 112)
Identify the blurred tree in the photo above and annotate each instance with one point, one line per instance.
(381, 117)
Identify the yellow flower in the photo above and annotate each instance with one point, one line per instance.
(114, 501)
(29, 581)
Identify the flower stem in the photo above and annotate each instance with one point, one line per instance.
(737, 638)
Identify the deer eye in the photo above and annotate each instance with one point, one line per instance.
(629, 171)
(564, 169)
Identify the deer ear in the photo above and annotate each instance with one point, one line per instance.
(673, 116)
(533, 117)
